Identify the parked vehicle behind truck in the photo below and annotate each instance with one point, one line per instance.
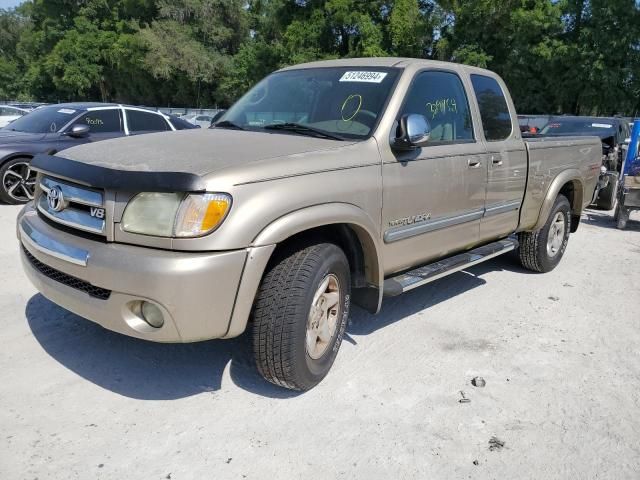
(52, 128)
(327, 184)
(629, 191)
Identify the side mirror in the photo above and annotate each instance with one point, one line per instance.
(413, 131)
(79, 131)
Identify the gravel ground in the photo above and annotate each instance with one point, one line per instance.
(559, 353)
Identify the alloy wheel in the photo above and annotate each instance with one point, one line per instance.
(556, 235)
(323, 317)
(19, 181)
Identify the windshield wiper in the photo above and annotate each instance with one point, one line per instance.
(227, 124)
(303, 130)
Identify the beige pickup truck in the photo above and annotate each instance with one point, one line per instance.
(327, 184)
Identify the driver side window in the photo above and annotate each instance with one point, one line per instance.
(440, 97)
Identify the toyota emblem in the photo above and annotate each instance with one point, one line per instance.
(55, 199)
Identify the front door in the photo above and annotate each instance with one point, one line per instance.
(434, 196)
(103, 125)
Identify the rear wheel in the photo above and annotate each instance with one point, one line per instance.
(621, 217)
(607, 196)
(18, 181)
(300, 314)
(542, 250)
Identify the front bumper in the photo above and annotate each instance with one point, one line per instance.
(195, 291)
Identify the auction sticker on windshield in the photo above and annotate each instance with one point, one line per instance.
(68, 111)
(601, 125)
(366, 77)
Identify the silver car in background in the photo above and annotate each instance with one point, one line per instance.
(9, 113)
(202, 120)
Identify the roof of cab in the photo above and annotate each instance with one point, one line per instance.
(388, 62)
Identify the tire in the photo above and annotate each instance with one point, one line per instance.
(537, 252)
(607, 197)
(18, 181)
(621, 217)
(285, 349)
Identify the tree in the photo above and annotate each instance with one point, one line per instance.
(191, 43)
(12, 26)
(573, 56)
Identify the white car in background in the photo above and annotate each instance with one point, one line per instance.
(8, 114)
(202, 120)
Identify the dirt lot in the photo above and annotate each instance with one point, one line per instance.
(559, 352)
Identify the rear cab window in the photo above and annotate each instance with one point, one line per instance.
(494, 110)
(441, 98)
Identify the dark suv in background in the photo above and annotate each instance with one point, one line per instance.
(52, 128)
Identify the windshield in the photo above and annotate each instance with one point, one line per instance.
(345, 102)
(44, 120)
(589, 127)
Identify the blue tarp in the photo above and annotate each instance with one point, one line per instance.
(632, 162)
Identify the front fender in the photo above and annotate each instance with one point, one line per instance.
(291, 224)
(567, 176)
(5, 156)
(329, 214)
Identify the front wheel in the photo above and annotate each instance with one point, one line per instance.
(542, 250)
(18, 181)
(300, 314)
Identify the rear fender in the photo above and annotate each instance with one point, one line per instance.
(571, 176)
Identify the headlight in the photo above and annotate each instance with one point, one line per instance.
(175, 214)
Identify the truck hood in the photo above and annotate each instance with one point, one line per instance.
(197, 151)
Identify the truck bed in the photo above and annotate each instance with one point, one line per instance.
(551, 157)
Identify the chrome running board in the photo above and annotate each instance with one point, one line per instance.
(421, 276)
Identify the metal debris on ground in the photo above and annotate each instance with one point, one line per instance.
(495, 444)
(464, 399)
(478, 382)
(553, 298)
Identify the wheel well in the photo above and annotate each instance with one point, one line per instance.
(346, 238)
(573, 192)
(361, 253)
(14, 156)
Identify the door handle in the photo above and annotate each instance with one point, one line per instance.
(474, 163)
(496, 160)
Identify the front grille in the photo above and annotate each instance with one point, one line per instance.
(74, 206)
(68, 280)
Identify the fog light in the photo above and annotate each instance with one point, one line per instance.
(152, 315)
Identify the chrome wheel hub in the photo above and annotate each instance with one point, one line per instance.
(556, 235)
(323, 317)
(19, 181)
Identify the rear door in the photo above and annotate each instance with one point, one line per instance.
(140, 121)
(506, 164)
(433, 197)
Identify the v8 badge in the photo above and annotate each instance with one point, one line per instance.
(97, 212)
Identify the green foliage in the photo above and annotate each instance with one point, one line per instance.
(557, 56)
